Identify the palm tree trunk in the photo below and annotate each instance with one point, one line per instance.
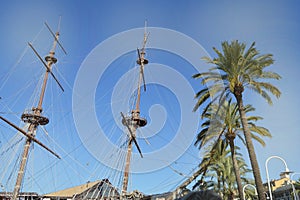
(236, 169)
(231, 196)
(250, 147)
(219, 183)
(224, 188)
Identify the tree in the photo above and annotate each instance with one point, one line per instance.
(234, 70)
(219, 174)
(224, 120)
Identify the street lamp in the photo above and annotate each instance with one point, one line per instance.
(266, 165)
(294, 190)
(244, 196)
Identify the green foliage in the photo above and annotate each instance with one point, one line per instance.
(218, 173)
(236, 68)
(218, 124)
(224, 120)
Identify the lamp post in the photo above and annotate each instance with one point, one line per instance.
(267, 172)
(244, 195)
(294, 190)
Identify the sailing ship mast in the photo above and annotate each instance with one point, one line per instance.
(34, 117)
(135, 121)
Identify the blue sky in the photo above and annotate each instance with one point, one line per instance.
(273, 25)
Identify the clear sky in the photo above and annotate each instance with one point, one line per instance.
(108, 32)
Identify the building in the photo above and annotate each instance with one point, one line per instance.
(22, 196)
(163, 196)
(91, 190)
(282, 188)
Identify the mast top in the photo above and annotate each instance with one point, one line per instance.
(141, 61)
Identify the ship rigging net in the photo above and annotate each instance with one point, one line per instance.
(116, 93)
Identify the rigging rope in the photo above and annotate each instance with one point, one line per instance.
(13, 69)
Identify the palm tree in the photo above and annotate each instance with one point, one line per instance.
(225, 121)
(219, 175)
(235, 70)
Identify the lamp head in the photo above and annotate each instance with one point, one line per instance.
(287, 172)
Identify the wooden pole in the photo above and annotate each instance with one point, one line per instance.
(34, 124)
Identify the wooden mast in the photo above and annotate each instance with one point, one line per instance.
(134, 121)
(34, 118)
